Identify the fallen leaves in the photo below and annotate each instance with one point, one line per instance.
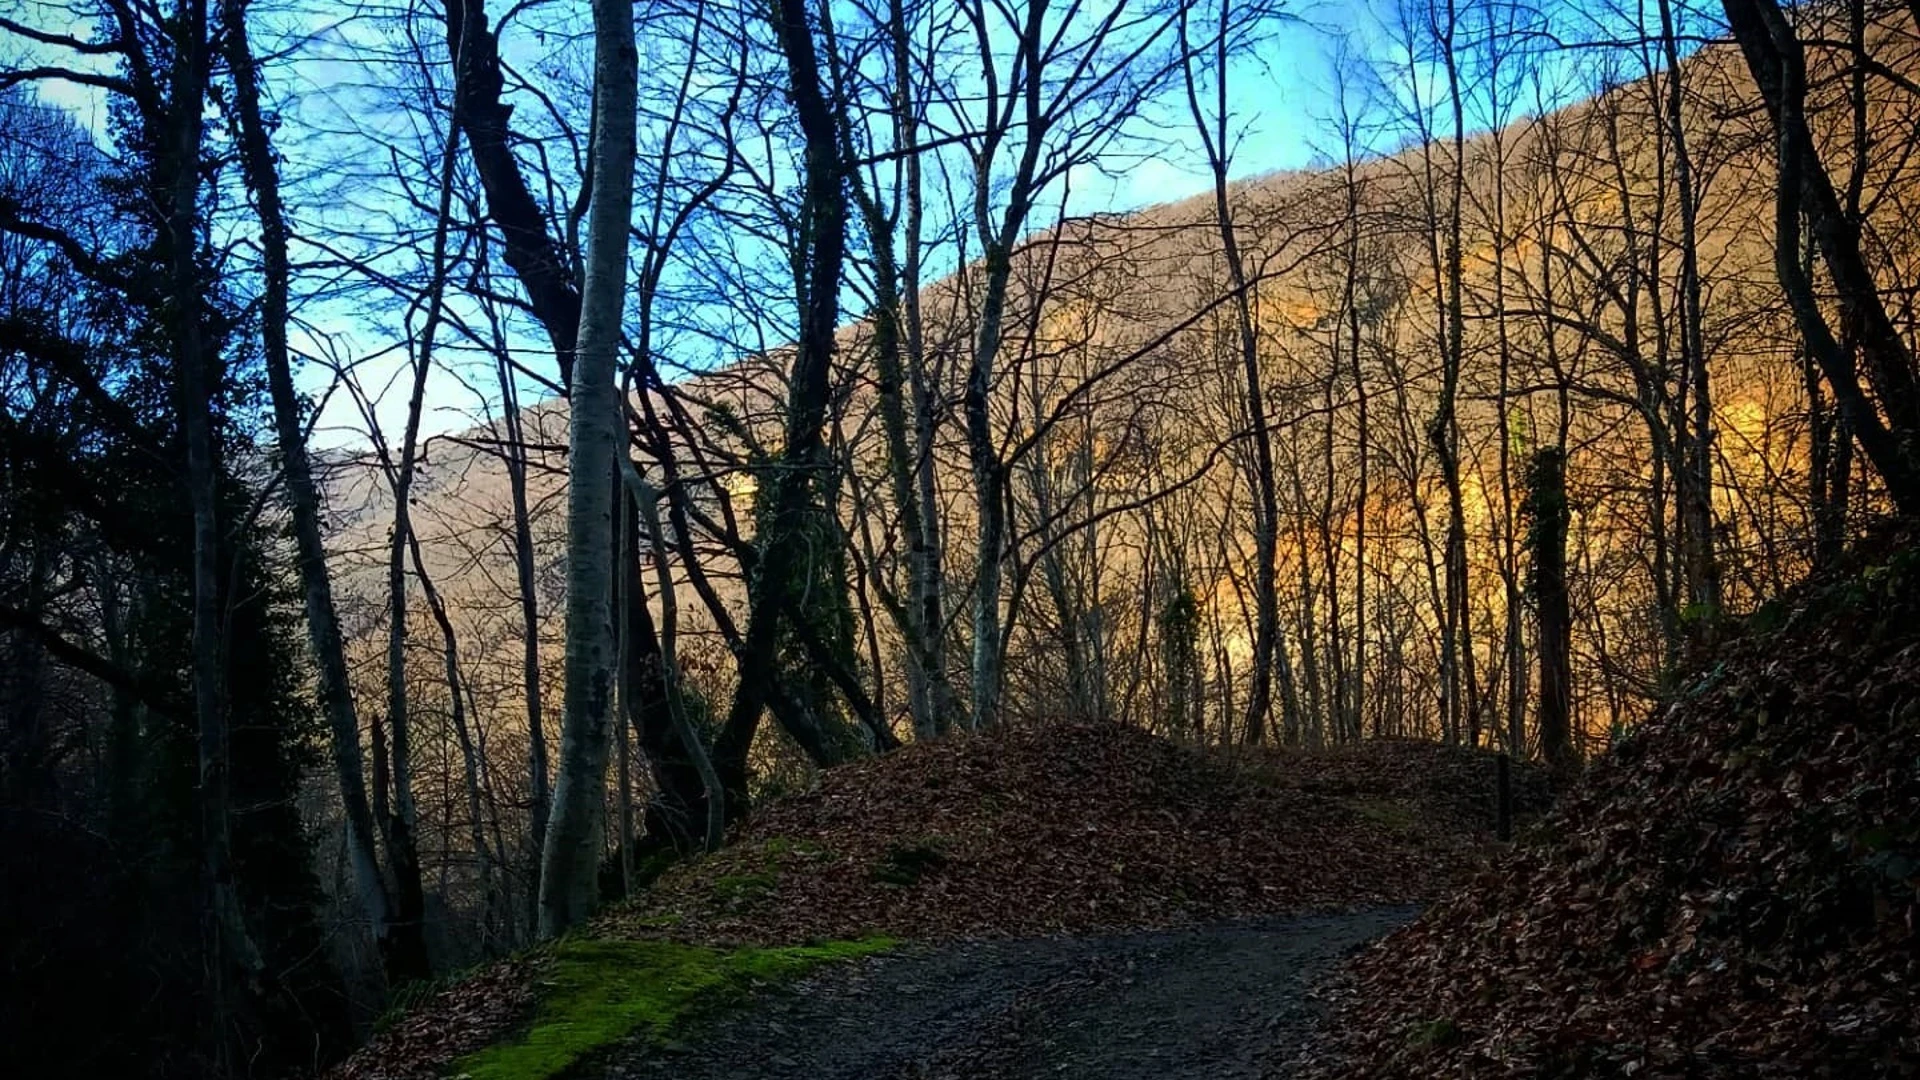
(1082, 827)
(1061, 828)
(1733, 892)
(448, 1024)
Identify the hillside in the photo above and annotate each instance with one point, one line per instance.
(1733, 893)
(1084, 828)
(1561, 206)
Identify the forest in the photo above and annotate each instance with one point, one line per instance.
(466, 468)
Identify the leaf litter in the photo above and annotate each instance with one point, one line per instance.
(1066, 828)
(1084, 828)
(1732, 892)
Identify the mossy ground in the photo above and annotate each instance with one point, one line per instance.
(596, 993)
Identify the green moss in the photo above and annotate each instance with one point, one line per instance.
(735, 887)
(777, 846)
(666, 920)
(598, 993)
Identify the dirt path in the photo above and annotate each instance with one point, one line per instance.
(1209, 1002)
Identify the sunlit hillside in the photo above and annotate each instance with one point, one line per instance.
(1117, 407)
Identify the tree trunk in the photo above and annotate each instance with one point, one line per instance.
(539, 793)
(231, 954)
(402, 946)
(1266, 507)
(537, 260)
(402, 826)
(1775, 59)
(470, 755)
(928, 696)
(647, 501)
(1547, 509)
(983, 457)
(770, 599)
(1696, 494)
(1444, 431)
(989, 482)
(570, 860)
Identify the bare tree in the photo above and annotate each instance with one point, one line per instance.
(1547, 512)
(197, 371)
(570, 860)
(771, 603)
(1266, 508)
(1059, 96)
(1777, 61)
(402, 942)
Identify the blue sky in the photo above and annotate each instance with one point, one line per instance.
(1282, 99)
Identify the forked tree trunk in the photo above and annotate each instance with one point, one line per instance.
(1445, 432)
(539, 793)
(989, 472)
(1696, 429)
(647, 501)
(770, 597)
(924, 670)
(1778, 64)
(402, 826)
(989, 484)
(1266, 507)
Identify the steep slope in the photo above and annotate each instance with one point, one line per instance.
(1734, 892)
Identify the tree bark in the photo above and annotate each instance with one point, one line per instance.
(539, 791)
(231, 953)
(1444, 431)
(569, 863)
(1266, 507)
(402, 825)
(1548, 511)
(924, 670)
(1777, 63)
(1696, 494)
(536, 258)
(770, 599)
(646, 501)
(402, 946)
